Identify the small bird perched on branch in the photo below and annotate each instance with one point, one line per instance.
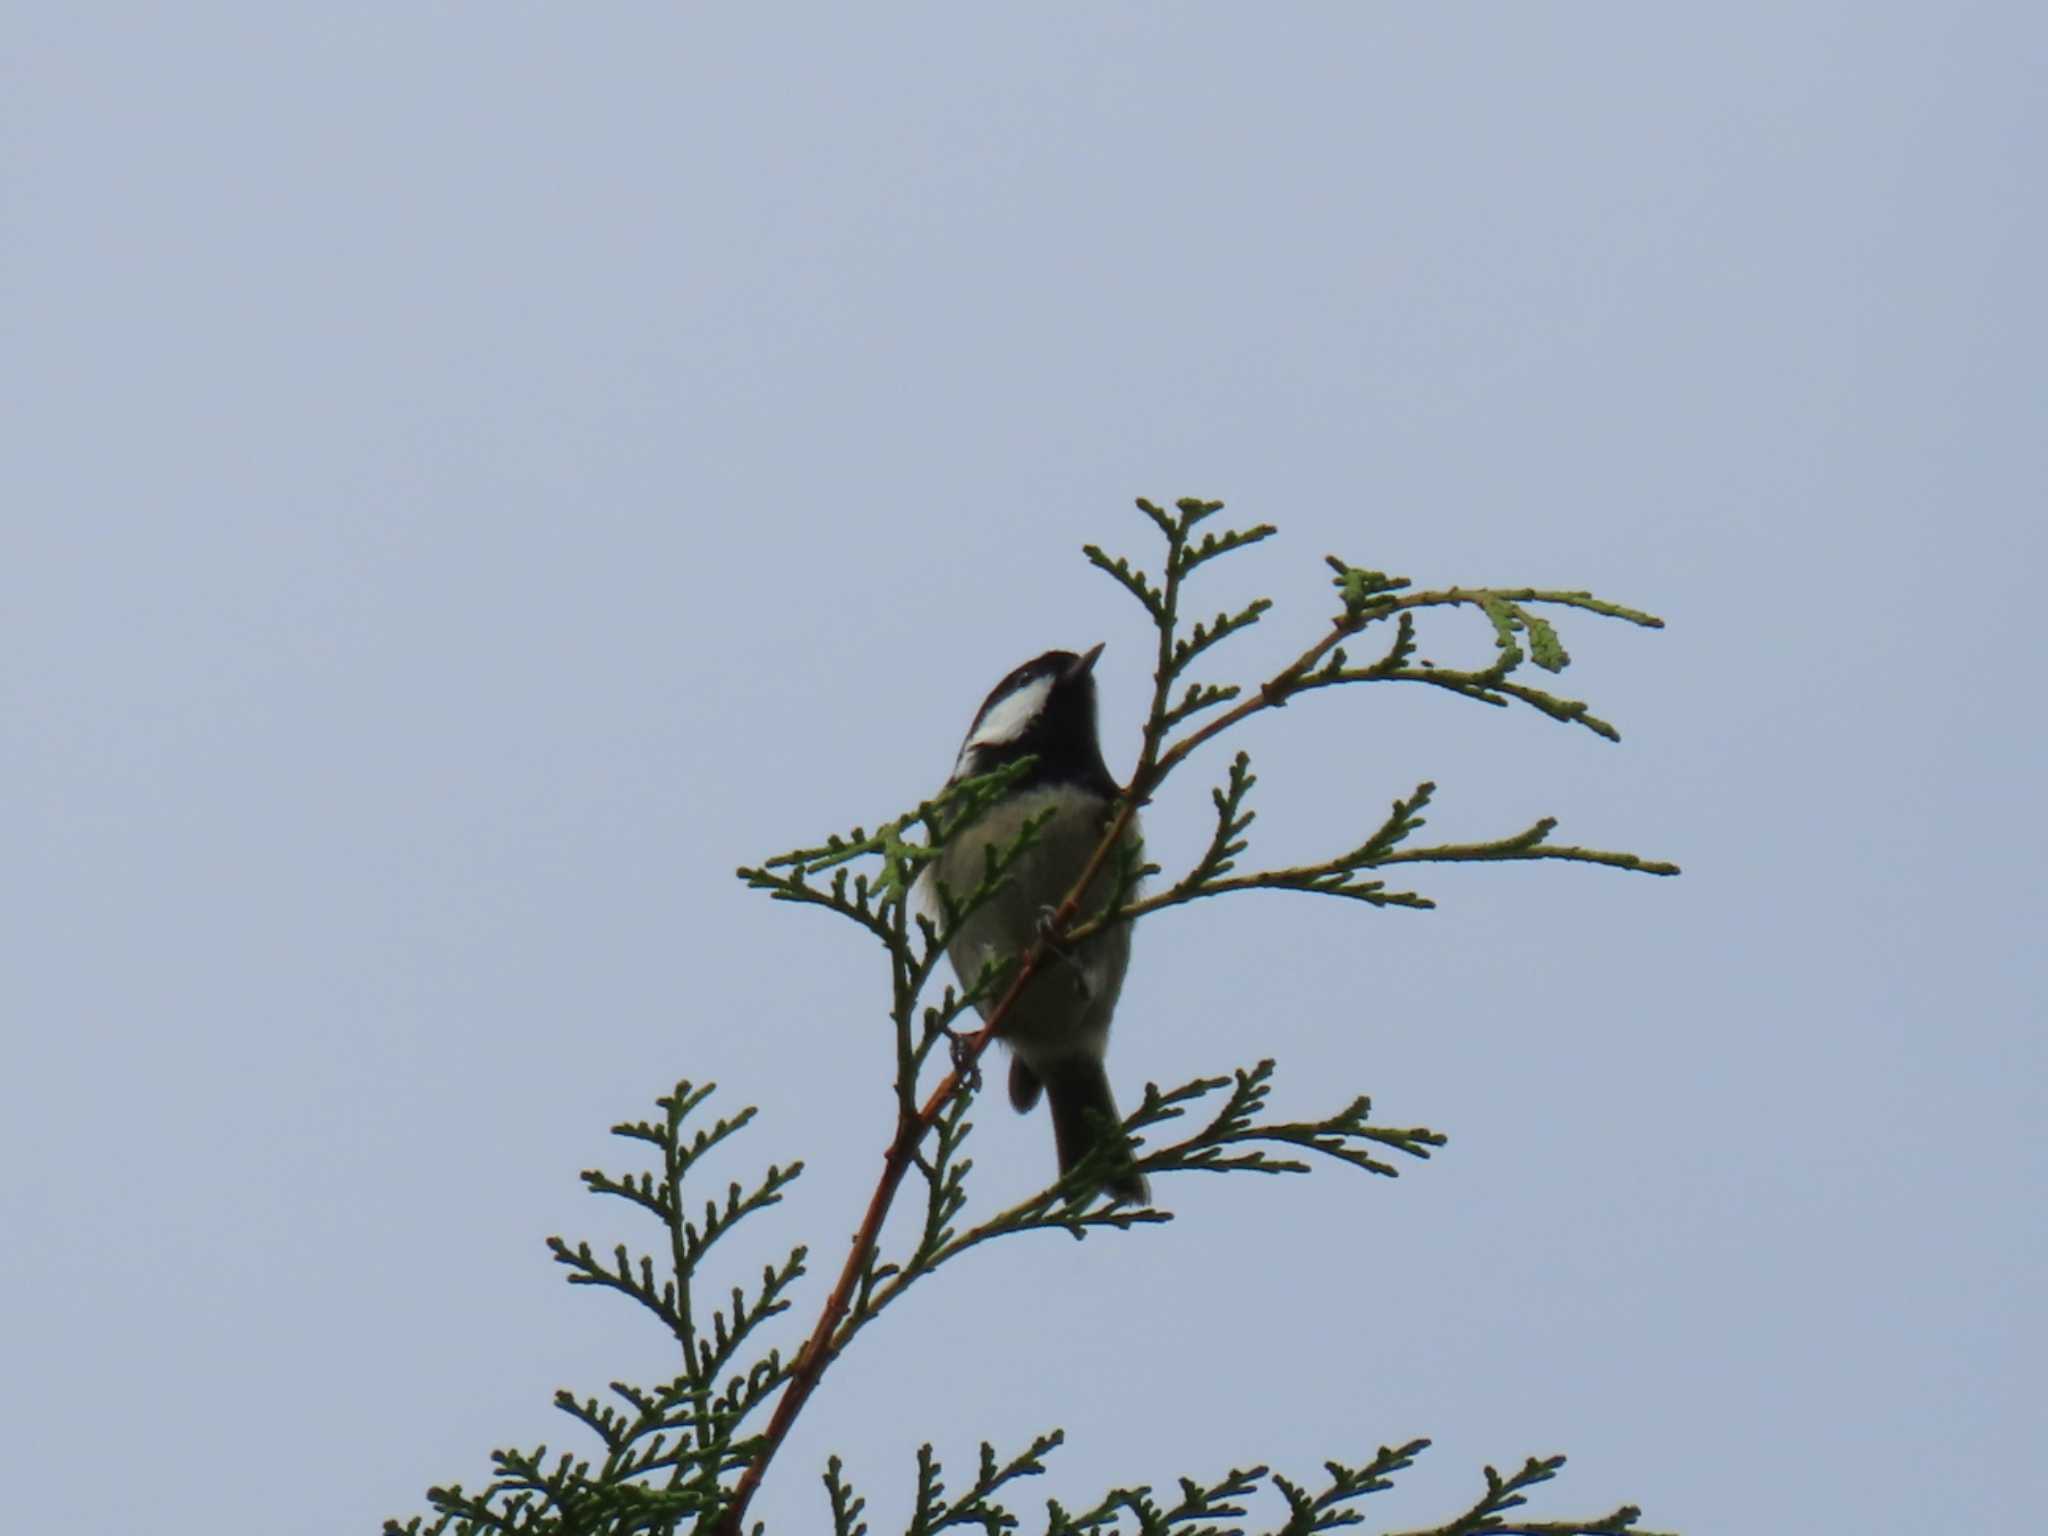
(1058, 1030)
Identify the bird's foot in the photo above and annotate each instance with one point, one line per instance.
(1047, 936)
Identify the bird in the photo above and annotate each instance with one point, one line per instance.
(1058, 1029)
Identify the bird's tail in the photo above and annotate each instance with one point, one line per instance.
(1084, 1116)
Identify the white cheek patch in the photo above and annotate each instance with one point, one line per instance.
(1012, 716)
(1009, 719)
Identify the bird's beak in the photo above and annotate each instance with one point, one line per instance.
(1084, 663)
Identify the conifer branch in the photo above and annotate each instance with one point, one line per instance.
(1367, 597)
(847, 1506)
(1502, 1494)
(688, 1451)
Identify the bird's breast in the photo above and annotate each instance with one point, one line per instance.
(1068, 1003)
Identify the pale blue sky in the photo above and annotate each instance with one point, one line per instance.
(475, 474)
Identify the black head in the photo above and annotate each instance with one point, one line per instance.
(1044, 710)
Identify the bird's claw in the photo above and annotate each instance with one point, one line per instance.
(960, 1049)
(1048, 936)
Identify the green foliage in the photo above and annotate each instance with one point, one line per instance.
(670, 1449)
(1368, 599)
(687, 1453)
(1215, 1509)
(669, 1452)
